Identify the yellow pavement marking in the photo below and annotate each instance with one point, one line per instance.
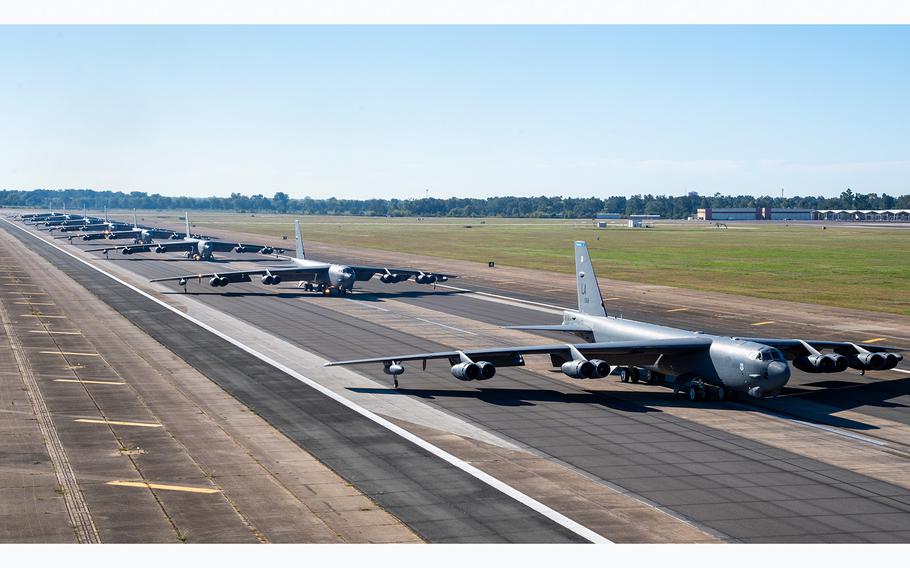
(40, 316)
(612, 299)
(875, 340)
(118, 423)
(69, 353)
(27, 303)
(164, 487)
(679, 310)
(55, 332)
(761, 323)
(89, 382)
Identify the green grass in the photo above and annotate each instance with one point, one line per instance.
(838, 266)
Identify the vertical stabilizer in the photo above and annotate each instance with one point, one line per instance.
(298, 240)
(186, 216)
(589, 299)
(105, 214)
(135, 220)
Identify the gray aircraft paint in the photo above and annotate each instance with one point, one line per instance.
(696, 361)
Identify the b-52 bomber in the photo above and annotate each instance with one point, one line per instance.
(116, 231)
(692, 361)
(194, 247)
(328, 278)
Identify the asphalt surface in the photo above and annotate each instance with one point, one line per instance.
(735, 486)
(437, 500)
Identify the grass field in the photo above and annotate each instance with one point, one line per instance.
(838, 266)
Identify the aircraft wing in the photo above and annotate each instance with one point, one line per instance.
(367, 272)
(615, 352)
(288, 273)
(132, 248)
(227, 246)
(793, 348)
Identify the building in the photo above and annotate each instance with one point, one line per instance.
(886, 215)
(776, 214)
(608, 216)
(729, 214)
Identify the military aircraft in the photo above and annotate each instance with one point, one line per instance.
(52, 223)
(329, 278)
(102, 226)
(116, 230)
(694, 362)
(195, 247)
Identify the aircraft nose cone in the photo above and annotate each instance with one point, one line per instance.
(778, 374)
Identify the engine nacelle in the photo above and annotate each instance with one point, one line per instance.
(390, 278)
(891, 360)
(394, 369)
(182, 282)
(239, 249)
(267, 250)
(579, 369)
(827, 363)
(425, 279)
(126, 251)
(159, 250)
(866, 361)
(601, 368)
(217, 281)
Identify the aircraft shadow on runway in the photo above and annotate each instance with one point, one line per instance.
(514, 397)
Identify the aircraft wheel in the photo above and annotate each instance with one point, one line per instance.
(633, 375)
(624, 375)
(695, 394)
(722, 394)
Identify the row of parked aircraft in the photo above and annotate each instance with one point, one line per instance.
(693, 362)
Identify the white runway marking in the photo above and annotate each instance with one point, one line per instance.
(446, 326)
(479, 474)
(901, 370)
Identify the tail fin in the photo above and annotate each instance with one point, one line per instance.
(135, 220)
(105, 213)
(589, 300)
(186, 216)
(298, 240)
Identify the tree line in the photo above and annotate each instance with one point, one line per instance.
(674, 207)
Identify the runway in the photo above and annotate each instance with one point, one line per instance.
(733, 471)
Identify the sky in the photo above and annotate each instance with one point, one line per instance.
(468, 111)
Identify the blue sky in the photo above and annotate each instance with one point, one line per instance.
(384, 111)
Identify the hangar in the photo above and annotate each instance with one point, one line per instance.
(863, 214)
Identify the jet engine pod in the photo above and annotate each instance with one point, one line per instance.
(487, 370)
(276, 279)
(891, 360)
(579, 369)
(267, 279)
(159, 250)
(267, 250)
(389, 279)
(601, 368)
(867, 361)
(827, 363)
(182, 282)
(126, 251)
(467, 371)
(239, 248)
(425, 279)
(217, 281)
(394, 369)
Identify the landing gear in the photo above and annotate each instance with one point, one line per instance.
(624, 375)
(395, 382)
(627, 374)
(721, 393)
(696, 393)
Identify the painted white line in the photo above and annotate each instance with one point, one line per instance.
(367, 305)
(481, 475)
(901, 370)
(446, 326)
